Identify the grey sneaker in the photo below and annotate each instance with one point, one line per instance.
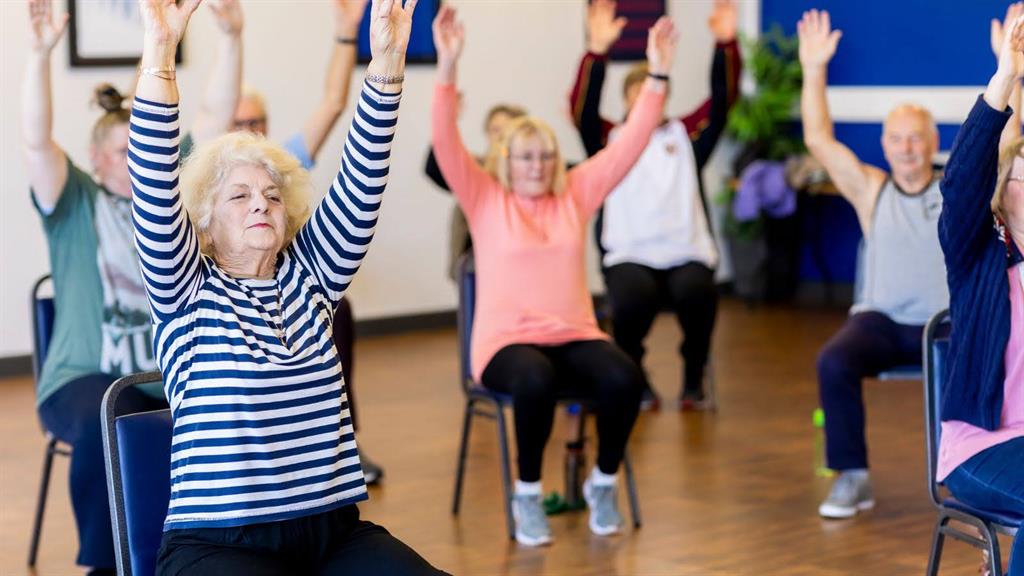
(532, 527)
(851, 493)
(604, 508)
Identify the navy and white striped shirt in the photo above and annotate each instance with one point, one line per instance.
(262, 429)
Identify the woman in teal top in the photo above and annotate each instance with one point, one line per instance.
(102, 326)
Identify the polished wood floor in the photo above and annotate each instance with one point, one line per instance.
(729, 493)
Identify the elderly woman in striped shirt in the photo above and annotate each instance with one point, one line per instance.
(242, 283)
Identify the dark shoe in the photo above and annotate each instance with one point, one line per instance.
(372, 473)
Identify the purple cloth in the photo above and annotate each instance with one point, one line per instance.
(763, 188)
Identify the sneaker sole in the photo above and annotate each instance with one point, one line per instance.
(840, 513)
(532, 542)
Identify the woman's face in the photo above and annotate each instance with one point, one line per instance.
(1013, 197)
(531, 166)
(248, 217)
(110, 161)
(495, 126)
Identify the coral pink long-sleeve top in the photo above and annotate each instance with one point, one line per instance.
(530, 252)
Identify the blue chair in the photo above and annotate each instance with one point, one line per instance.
(482, 402)
(43, 315)
(988, 524)
(137, 453)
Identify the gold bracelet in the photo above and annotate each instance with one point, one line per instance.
(167, 73)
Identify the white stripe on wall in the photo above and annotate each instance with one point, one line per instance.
(949, 104)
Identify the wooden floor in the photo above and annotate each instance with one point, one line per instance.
(729, 493)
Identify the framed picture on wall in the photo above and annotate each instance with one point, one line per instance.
(105, 33)
(421, 40)
(640, 16)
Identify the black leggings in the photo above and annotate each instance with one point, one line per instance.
(328, 544)
(637, 293)
(537, 376)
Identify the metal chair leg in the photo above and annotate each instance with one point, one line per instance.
(460, 469)
(44, 489)
(938, 539)
(634, 498)
(506, 473)
(994, 559)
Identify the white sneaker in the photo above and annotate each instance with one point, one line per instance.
(532, 527)
(603, 502)
(851, 493)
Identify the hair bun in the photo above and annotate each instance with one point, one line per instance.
(109, 98)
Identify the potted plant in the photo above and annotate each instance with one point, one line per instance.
(763, 251)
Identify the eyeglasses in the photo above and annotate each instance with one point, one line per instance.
(528, 158)
(251, 124)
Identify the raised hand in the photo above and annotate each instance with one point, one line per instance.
(817, 39)
(662, 40)
(348, 15)
(603, 28)
(1011, 54)
(390, 25)
(45, 31)
(228, 14)
(449, 36)
(999, 28)
(165, 21)
(722, 21)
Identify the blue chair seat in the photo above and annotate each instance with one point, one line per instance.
(1008, 522)
(908, 372)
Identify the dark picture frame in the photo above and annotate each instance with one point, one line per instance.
(640, 16)
(421, 40)
(106, 33)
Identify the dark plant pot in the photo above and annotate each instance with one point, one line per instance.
(749, 256)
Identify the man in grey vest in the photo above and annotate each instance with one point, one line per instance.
(904, 274)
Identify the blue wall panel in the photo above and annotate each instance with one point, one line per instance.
(902, 42)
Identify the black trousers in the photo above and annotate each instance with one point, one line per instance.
(72, 414)
(537, 376)
(332, 543)
(868, 343)
(637, 293)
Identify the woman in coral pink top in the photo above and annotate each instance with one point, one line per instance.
(535, 336)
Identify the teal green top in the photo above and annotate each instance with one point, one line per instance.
(76, 344)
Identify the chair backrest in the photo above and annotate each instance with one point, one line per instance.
(465, 276)
(43, 315)
(936, 349)
(137, 448)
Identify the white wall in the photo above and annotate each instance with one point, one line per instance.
(518, 51)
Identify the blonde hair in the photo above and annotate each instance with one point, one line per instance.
(637, 74)
(1007, 155)
(207, 169)
(526, 126)
(114, 112)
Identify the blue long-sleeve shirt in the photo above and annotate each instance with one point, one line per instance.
(977, 252)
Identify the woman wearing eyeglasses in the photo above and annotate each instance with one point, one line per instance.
(982, 234)
(534, 333)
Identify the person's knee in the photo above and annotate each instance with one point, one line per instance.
(534, 381)
(833, 363)
(622, 379)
